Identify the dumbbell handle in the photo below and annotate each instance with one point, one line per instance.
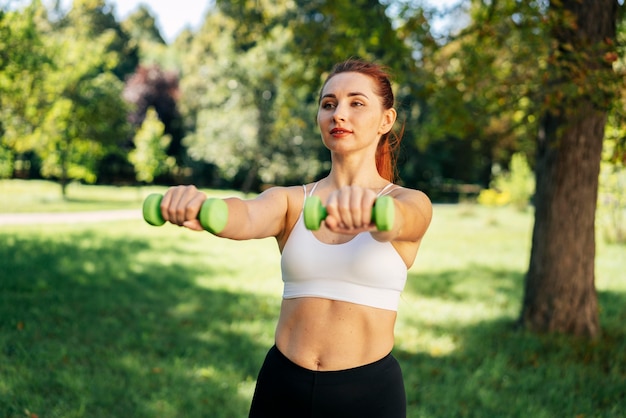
(213, 214)
(383, 213)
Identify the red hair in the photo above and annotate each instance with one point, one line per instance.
(390, 141)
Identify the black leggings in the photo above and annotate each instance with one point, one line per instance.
(285, 389)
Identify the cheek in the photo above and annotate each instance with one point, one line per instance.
(321, 119)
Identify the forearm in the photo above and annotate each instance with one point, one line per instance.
(412, 216)
(261, 217)
(238, 226)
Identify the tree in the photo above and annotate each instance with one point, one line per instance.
(243, 115)
(478, 99)
(280, 51)
(152, 87)
(141, 26)
(149, 157)
(90, 19)
(24, 62)
(85, 113)
(560, 291)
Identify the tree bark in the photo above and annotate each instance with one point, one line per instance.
(560, 293)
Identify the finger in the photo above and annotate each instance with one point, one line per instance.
(344, 208)
(193, 225)
(356, 207)
(367, 203)
(193, 206)
(332, 216)
(169, 199)
(177, 206)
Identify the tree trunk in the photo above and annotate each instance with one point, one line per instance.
(64, 162)
(560, 291)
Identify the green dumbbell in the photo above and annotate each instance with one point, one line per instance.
(213, 214)
(383, 213)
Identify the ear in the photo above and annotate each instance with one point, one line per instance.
(389, 118)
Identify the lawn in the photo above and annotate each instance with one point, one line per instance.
(121, 319)
(29, 196)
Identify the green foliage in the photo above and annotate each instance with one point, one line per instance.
(6, 163)
(581, 58)
(519, 181)
(245, 116)
(149, 156)
(60, 97)
(468, 101)
(87, 114)
(612, 196)
(91, 18)
(493, 197)
(24, 63)
(481, 88)
(141, 26)
(514, 186)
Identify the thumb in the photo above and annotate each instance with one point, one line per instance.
(193, 224)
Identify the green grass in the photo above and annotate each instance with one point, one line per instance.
(126, 320)
(26, 196)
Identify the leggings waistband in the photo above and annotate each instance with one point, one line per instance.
(336, 376)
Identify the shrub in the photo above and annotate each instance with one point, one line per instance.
(514, 187)
(611, 216)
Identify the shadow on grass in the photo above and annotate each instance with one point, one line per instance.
(497, 370)
(100, 327)
(89, 329)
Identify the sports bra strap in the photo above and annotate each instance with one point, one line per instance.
(312, 188)
(385, 190)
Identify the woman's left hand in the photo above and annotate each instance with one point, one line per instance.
(349, 210)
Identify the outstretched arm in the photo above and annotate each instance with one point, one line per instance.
(261, 217)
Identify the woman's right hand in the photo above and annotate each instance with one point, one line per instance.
(181, 205)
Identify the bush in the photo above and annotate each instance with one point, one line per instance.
(492, 197)
(611, 214)
(6, 163)
(514, 187)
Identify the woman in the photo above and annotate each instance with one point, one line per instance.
(333, 342)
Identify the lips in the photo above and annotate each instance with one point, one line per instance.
(340, 131)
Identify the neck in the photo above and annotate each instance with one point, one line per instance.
(362, 175)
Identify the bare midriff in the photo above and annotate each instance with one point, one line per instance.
(326, 335)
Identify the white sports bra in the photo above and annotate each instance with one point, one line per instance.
(362, 271)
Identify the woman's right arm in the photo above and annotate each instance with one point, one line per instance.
(262, 217)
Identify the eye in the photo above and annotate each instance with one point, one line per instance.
(328, 105)
(357, 104)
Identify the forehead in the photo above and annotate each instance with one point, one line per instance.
(350, 82)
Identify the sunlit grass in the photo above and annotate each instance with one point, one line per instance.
(122, 319)
(25, 196)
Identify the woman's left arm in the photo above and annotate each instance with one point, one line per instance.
(413, 213)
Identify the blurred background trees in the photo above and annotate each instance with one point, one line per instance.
(238, 96)
(487, 91)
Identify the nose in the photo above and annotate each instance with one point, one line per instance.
(339, 114)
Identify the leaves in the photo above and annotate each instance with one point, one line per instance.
(149, 157)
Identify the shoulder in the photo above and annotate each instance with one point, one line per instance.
(290, 199)
(406, 193)
(416, 199)
(285, 193)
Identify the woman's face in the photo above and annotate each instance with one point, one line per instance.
(351, 116)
